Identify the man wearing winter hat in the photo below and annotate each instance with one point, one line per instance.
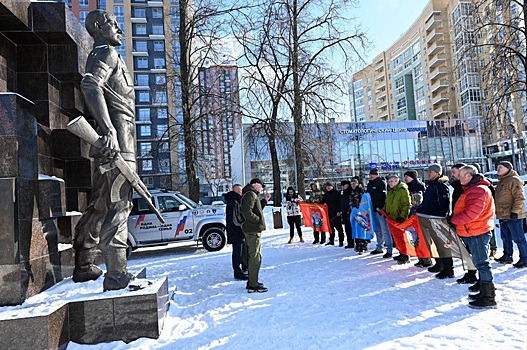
(254, 224)
(413, 183)
(377, 189)
(332, 199)
(436, 202)
(510, 212)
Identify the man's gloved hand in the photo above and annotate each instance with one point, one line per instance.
(449, 221)
(514, 216)
(399, 219)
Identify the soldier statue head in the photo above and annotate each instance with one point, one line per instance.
(103, 27)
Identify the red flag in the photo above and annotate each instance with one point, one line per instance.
(316, 216)
(408, 237)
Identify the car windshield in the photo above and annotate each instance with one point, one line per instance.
(187, 200)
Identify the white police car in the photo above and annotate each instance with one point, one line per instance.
(185, 220)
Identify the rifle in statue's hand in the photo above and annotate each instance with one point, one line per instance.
(81, 128)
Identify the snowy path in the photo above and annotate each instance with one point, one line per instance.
(324, 298)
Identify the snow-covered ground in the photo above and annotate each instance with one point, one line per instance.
(322, 297)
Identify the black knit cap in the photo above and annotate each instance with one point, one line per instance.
(411, 173)
(506, 164)
(374, 171)
(345, 182)
(257, 181)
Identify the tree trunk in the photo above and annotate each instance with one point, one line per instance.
(297, 105)
(277, 187)
(186, 105)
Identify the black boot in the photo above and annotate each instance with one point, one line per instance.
(322, 237)
(316, 234)
(445, 273)
(474, 289)
(487, 299)
(469, 278)
(116, 282)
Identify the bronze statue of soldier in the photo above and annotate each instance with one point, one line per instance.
(109, 96)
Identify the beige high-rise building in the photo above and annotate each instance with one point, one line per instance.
(438, 69)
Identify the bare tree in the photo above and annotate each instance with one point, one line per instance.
(267, 71)
(499, 41)
(318, 32)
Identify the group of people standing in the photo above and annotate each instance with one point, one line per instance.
(468, 200)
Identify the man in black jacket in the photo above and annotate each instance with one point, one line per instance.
(377, 189)
(332, 199)
(436, 202)
(234, 232)
(346, 211)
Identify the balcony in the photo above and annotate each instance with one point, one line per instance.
(437, 60)
(138, 20)
(439, 84)
(433, 21)
(157, 36)
(436, 47)
(139, 53)
(155, 3)
(435, 34)
(438, 73)
(442, 111)
(440, 98)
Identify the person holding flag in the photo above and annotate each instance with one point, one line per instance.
(397, 207)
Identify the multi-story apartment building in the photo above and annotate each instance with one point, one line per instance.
(436, 70)
(148, 47)
(220, 121)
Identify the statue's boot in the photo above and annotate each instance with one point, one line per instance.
(85, 269)
(117, 277)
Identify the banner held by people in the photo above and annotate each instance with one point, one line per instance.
(443, 240)
(408, 237)
(362, 224)
(315, 216)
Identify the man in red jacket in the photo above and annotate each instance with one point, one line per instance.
(474, 219)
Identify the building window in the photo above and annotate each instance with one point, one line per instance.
(84, 3)
(147, 164)
(159, 46)
(142, 62)
(164, 166)
(82, 16)
(143, 114)
(157, 29)
(140, 46)
(141, 79)
(140, 29)
(145, 149)
(118, 12)
(161, 79)
(157, 12)
(162, 131)
(159, 63)
(139, 12)
(162, 113)
(145, 130)
(144, 96)
(161, 97)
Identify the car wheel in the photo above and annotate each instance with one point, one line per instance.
(213, 239)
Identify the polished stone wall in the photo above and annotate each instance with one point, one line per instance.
(45, 177)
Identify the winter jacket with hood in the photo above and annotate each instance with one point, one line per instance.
(234, 232)
(509, 196)
(252, 210)
(474, 210)
(398, 202)
(436, 199)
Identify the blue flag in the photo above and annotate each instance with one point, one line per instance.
(362, 224)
